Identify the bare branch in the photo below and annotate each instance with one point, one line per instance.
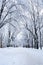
(2, 8)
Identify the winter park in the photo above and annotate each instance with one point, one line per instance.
(21, 32)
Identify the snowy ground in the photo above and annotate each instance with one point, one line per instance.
(21, 56)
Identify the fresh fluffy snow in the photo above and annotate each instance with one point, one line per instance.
(21, 56)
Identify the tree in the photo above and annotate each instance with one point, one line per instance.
(35, 19)
(1, 41)
(5, 5)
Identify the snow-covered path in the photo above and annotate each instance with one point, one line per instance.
(21, 56)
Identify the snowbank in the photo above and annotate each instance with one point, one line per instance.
(21, 56)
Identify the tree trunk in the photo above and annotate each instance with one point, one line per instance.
(36, 37)
(40, 41)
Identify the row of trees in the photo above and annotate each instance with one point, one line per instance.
(29, 13)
